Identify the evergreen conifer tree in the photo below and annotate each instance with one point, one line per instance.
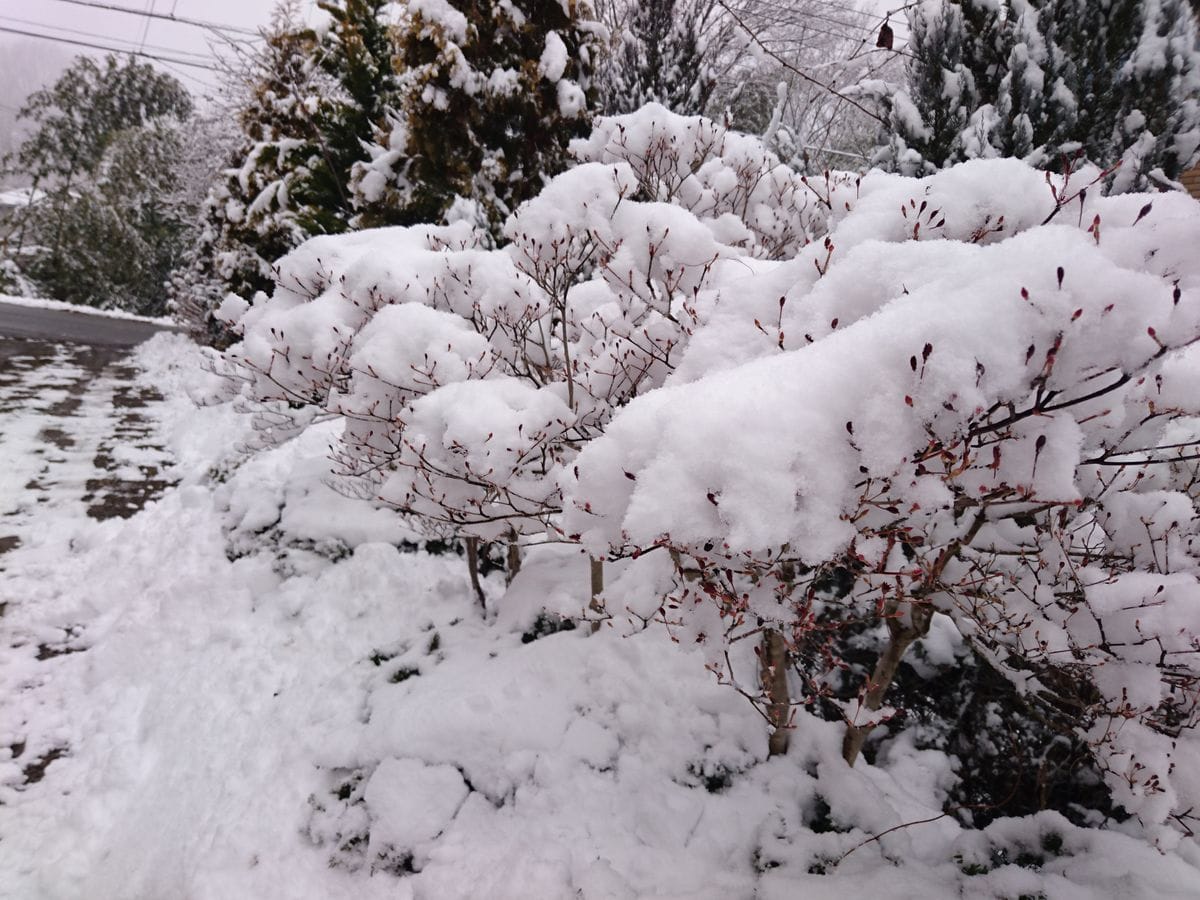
(1033, 103)
(496, 90)
(466, 110)
(262, 204)
(958, 51)
(1092, 40)
(1121, 85)
(356, 54)
(1114, 81)
(310, 103)
(660, 57)
(987, 38)
(1157, 125)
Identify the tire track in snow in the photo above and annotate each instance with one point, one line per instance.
(74, 445)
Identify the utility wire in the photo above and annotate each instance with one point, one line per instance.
(868, 23)
(202, 89)
(864, 35)
(170, 17)
(63, 40)
(878, 17)
(105, 37)
(863, 31)
(146, 24)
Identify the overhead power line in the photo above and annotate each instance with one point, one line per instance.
(62, 40)
(878, 17)
(104, 37)
(169, 17)
(146, 25)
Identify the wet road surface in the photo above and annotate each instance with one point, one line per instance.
(55, 326)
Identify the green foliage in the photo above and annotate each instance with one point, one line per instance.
(357, 56)
(105, 230)
(957, 61)
(309, 104)
(1033, 103)
(1158, 118)
(459, 109)
(264, 204)
(1131, 71)
(660, 58)
(1094, 41)
(1116, 81)
(497, 89)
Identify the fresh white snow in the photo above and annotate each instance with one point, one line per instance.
(274, 701)
(278, 687)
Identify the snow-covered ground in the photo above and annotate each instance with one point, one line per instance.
(276, 695)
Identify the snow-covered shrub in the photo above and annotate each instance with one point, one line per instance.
(973, 398)
(955, 409)
(715, 172)
(468, 378)
(296, 344)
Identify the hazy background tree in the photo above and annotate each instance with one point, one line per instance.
(24, 68)
(100, 153)
(780, 70)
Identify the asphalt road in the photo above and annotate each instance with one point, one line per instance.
(71, 327)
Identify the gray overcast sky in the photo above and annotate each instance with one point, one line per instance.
(121, 30)
(125, 31)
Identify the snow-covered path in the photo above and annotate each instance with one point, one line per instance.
(74, 443)
(159, 710)
(72, 435)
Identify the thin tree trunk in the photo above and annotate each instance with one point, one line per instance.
(900, 639)
(512, 559)
(902, 635)
(56, 255)
(473, 570)
(25, 214)
(567, 360)
(596, 605)
(773, 668)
